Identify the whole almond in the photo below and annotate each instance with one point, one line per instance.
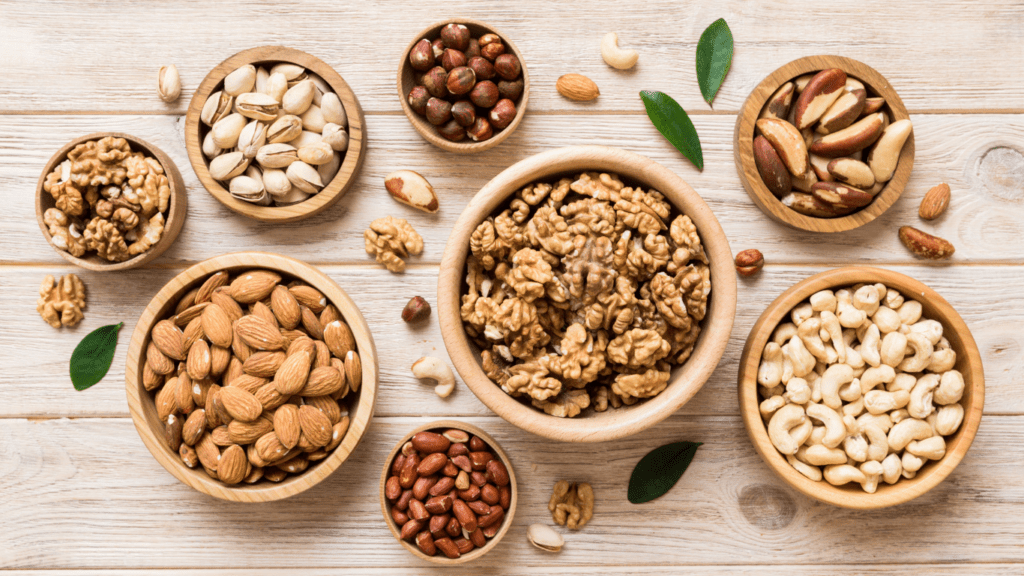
(323, 381)
(167, 399)
(249, 432)
(270, 448)
(353, 370)
(233, 464)
(208, 452)
(924, 245)
(222, 298)
(216, 325)
(292, 375)
(194, 427)
(193, 332)
(328, 406)
(199, 361)
(286, 425)
(269, 397)
(220, 359)
(309, 297)
(247, 382)
(577, 87)
(189, 314)
(338, 338)
(285, 307)
(412, 189)
(157, 361)
(259, 333)
(264, 363)
(169, 339)
(212, 283)
(315, 425)
(254, 286)
(240, 404)
(934, 202)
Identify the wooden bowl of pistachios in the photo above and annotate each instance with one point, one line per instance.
(275, 134)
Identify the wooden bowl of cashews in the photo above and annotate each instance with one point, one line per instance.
(904, 344)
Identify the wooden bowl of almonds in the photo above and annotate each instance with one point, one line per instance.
(882, 417)
(586, 293)
(110, 201)
(251, 377)
(275, 134)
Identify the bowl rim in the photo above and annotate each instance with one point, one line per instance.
(687, 378)
(347, 172)
(509, 514)
(743, 145)
(142, 407)
(177, 207)
(968, 362)
(425, 129)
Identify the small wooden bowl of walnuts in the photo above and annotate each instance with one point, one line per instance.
(448, 492)
(251, 377)
(463, 85)
(878, 420)
(110, 201)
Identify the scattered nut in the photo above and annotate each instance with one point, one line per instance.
(61, 302)
(934, 202)
(417, 309)
(411, 189)
(390, 239)
(577, 87)
(616, 57)
(544, 538)
(749, 262)
(572, 505)
(436, 369)
(168, 83)
(924, 245)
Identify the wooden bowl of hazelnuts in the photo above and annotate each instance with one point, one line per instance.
(463, 85)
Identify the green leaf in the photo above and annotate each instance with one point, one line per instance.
(93, 355)
(671, 120)
(659, 471)
(714, 57)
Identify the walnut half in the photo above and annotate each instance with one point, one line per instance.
(61, 302)
(391, 239)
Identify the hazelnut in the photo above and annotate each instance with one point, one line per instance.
(507, 66)
(455, 36)
(417, 309)
(511, 89)
(464, 113)
(749, 262)
(474, 49)
(503, 113)
(488, 39)
(434, 81)
(480, 130)
(438, 111)
(485, 94)
(452, 59)
(418, 97)
(492, 50)
(421, 57)
(438, 47)
(452, 131)
(480, 66)
(460, 80)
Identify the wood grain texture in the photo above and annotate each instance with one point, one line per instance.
(84, 493)
(1000, 569)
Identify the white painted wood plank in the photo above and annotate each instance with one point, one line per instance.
(34, 355)
(980, 156)
(86, 494)
(956, 57)
(546, 570)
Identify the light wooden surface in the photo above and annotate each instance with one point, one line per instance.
(80, 494)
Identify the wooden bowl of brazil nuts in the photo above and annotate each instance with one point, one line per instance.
(332, 191)
(968, 363)
(445, 429)
(743, 147)
(684, 380)
(359, 401)
(407, 80)
(174, 216)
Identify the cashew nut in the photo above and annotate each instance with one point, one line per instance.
(824, 300)
(893, 299)
(616, 57)
(902, 382)
(922, 349)
(866, 298)
(800, 313)
(770, 406)
(785, 419)
(942, 360)
(911, 464)
(898, 416)
(870, 345)
(882, 421)
(814, 379)
(855, 408)
(831, 356)
(876, 376)
(769, 392)
(920, 405)
(798, 391)
(821, 455)
(881, 402)
(873, 472)
(892, 467)
(951, 388)
(812, 472)
(850, 392)
(834, 377)
(878, 443)
(783, 333)
(436, 369)
(835, 430)
(840, 474)
(803, 361)
(886, 319)
(802, 432)
(817, 433)
(933, 448)
(947, 419)
(865, 442)
(849, 316)
(809, 332)
(856, 447)
(906, 431)
(931, 329)
(910, 313)
(769, 373)
(894, 348)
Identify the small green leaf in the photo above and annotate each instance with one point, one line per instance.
(671, 120)
(93, 355)
(659, 471)
(714, 57)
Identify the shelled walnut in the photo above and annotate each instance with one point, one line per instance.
(584, 292)
(61, 302)
(391, 239)
(572, 505)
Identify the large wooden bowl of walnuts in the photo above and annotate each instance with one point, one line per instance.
(586, 293)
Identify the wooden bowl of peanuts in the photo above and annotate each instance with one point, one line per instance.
(251, 376)
(875, 422)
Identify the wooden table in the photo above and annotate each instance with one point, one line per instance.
(80, 494)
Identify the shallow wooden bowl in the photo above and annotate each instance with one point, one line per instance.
(686, 379)
(440, 558)
(968, 362)
(143, 408)
(743, 147)
(173, 222)
(195, 131)
(427, 130)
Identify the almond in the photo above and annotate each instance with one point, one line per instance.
(312, 324)
(924, 245)
(199, 361)
(194, 427)
(184, 399)
(286, 425)
(292, 375)
(231, 308)
(322, 354)
(212, 283)
(819, 94)
(254, 286)
(208, 452)
(302, 344)
(773, 173)
(309, 297)
(221, 436)
(264, 364)
(249, 432)
(577, 87)
(330, 314)
(327, 405)
(270, 448)
(216, 325)
(323, 381)
(263, 311)
(247, 382)
(157, 361)
(189, 314)
(412, 189)
(338, 338)
(241, 350)
(259, 333)
(240, 404)
(150, 379)
(269, 397)
(353, 370)
(316, 426)
(169, 339)
(220, 359)
(338, 433)
(233, 465)
(934, 202)
(193, 332)
(167, 399)
(285, 307)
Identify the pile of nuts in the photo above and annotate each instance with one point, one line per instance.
(876, 376)
(585, 292)
(448, 491)
(248, 374)
(465, 86)
(811, 154)
(109, 200)
(288, 120)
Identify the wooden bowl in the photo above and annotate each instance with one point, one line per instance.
(686, 379)
(427, 130)
(743, 150)
(143, 409)
(440, 558)
(195, 131)
(968, 362)
(173, 222)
